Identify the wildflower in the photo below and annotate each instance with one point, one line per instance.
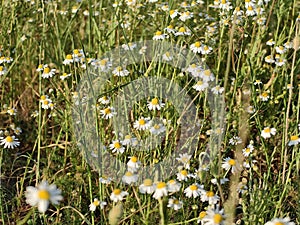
(267, 132)
(280, 221)
(228, 164)
(155, 103)
(205, 49)
(161, 190)
(200, 85)
(214, 217)
(173, 13)
(202, 214)
(117, 147)
(129, 178)
(142, 124)
(17, 130)
(41, 195)
(78, 55)
(250, 109)
(248, 150)
(185, 16)
(167, 56)
(170, 29)
(280, 49)
(182, 31)
(105, 180)
(108, 112)
(133, 164)
(12, 111)
(264, 96)
(47, 72)
(185, 159)
(210, 197)
(196, 47)
(175, 204)
(118, 195)
(217, 90)
(157, 129)
(235, 140)
(46, 102)
(288, 44)
(40, 68)
(104, 100)
(237, 11)
(96, 203)
(182, 175)
(9, 142)
(225, 5)
(68, 60)
(173, 186)
(104, 64)
(64, 76)
(159, 36)
(3, 70)
(269, 59)
(129, 140)
(250, 11)
(129, 46)
(120, 72)
(294, 140)
(193, 190)
(280, 62)
(147, 187)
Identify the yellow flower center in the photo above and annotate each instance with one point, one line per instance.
(182, 29)
(154, 101)
(142, 122)
(193, 187)
(9, 139)
(247, 150)
(43, 97)
(147, 182)
(200, 82)
(170, 27)
(231, 162)
(205, 48)
(278, 223)
(117, 191)
(96, 202)
(202, 214)
(210, 194)
(128, 174)
(119, 68)
(1, 68)
(218, 218)
(134, 159)
(161, 185)
(197, 44)
(265, 94)
(250, 8)
(267, 130)
(175, 201)
(76, 51)
(167, 54)
(103, 62)
(184, 172)
(172, 12)
(107, 111)
(43, 194)
(247, 1)
(294, 138)
(207, 73)
(158, 33)
(46, 70)
(46, 102)
(171, 182)
(117, 145)
(223, 1)
(156, 126)
(69, 56)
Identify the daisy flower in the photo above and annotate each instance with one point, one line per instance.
(269, 59)
(185, 16)
(155, 103)
(104, 100)
(280, 221)
(12, 111)
(193, 190)
(3, 70)
(108, 112)
(48, 73)
(129, 46)
(210, 197)
(40, 68)
(64, 76)
(267, 132)
(96, 203)
(196, 47)
(175, 204)
(280, 49)
(105, 180)
(250, 11)
(184, 159)
(280, 62)
(214, 217)
(200, 85)
(235, 140)
(133, 164)
(147, 187)
(294, 140)
(160, 190)
(46, 102)
(120, 72)
(170, 29)
(129, 140)
(68, 60)
(173, 186)
(270, 42)
(159, 36)
(104, 64)
(9, 142)
(118, 195)
(217, 90)
(42, 195)
(142, 124)
(228, 164)
(248, 150)
(117, 146)
(264, 96)
(129, 178)
(183, 31)
(167, 56)
(205, 49)
(157, 129)
(173, 13)
(78, 55)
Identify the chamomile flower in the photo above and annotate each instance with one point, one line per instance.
(214, 217)
(129, 178)
(120, 71)
(173, 13)
(207, 75)
(174, 203)
(280, 221)
(78, 55)
(142, 124)
(129, 46)
(105, 180)
(200, 85)
(294, 140)
(64, 76)
(160, 190)
(118, 195)
(108, 112)
(280, 49)
(225, 5)
(270, 42)
(170, 29)
(104, 64)
(3, 70)
(173, 186)
(42, 195)
(68, 60)
(104, 100)
(196, 47)
(248, 150)
(17, 130)
(267, 132)
(157, 129)
(269, 59)
(48, 73)
(147, 187)
(229, 163)
(210, 197)
(133, 164)
(40, 68)
(46, 102)
(12, 111)
(217, 90)
(264, 96)
(185, 160)
(130, 140)
(117, 146)
(159, 36)
(235, 140)
(250, 11)
(97, 203)
(185, 16)
(193, 190)
(183, 31)
(280, 62)
(167, 56)
(9, 142)
(182, 175)
(205, 49)
(155, 104)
